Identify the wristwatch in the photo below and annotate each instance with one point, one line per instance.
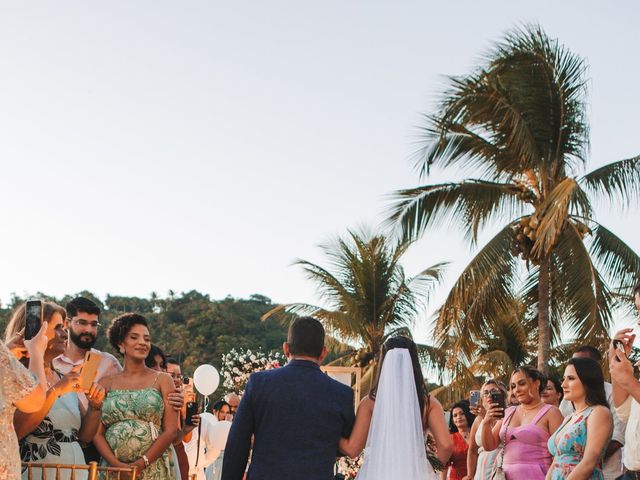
(145, 459)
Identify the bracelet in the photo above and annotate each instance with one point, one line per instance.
(145, 459)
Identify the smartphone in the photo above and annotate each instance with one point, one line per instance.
(619, 345)
(192, 409)
(474, 398)
(89, 369)
(187, 390)
(33, 319)
(499, 398)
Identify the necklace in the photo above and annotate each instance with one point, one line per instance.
(581, 410)
(526, 411)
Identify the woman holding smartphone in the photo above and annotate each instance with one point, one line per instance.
(138, 423)
(20, 389)
(523, 429)
(52, 434)
(481, 463)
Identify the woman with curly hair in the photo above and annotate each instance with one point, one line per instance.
(138, 424)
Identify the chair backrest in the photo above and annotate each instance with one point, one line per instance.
(60, 471)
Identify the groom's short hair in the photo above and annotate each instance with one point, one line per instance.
(306, 337)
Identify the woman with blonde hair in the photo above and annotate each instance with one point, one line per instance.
(481, 463)
(52, 434)
(20, 389)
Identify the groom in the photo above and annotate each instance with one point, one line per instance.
(296, 414)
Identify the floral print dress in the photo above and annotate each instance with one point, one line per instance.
(16, 382)
(567, 446)
(133, 420)
(55, 440)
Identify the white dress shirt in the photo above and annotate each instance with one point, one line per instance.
(213, 436)
(629, 413)
(612, 468)
(108, 366)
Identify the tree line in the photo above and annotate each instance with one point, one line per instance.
(189, 326)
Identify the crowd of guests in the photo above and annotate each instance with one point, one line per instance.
(580, 427)
(133, 414)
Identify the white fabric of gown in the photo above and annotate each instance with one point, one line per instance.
(395, 444)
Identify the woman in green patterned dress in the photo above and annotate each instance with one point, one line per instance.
(138, 424)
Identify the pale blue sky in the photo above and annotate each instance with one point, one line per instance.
(156, 145)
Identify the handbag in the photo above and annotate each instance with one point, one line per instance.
(498, 473)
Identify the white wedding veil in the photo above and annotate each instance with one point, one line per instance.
(395, 444)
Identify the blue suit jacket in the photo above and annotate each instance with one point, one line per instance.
(297, 414)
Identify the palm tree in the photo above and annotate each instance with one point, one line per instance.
(504, 345)
(520, 122)
(367, 294)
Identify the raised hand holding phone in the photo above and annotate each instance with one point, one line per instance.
(38, 344)
(89, 370)
(32, 318)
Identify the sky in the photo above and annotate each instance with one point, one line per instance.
(156, 145)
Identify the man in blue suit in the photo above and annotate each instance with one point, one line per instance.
(296, 415)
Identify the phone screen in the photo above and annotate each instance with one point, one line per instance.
(33, 319)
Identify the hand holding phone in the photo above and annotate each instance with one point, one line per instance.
(192, 409)
(32, 318)
(89, 370)
(474, 398)
(500, 403)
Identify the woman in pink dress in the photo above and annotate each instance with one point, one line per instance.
(524, 430)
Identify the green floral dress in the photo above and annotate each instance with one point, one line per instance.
(132, 420)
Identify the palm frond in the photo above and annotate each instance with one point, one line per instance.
(617, 181)
(485, 289)
(616, 261)
(471, 203)
(567, 197)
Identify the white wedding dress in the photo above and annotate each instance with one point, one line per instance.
(395, 446)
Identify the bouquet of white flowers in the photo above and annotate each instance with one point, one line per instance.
(237, 365)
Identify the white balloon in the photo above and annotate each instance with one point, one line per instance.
(206, 379)
(220, 433)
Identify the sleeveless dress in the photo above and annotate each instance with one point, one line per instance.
(458, 462)
(16, 382)
(133, 420)
(567, 446)
(486, 460)
(55, 440)
(525, 453)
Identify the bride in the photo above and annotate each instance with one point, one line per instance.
(394, 418)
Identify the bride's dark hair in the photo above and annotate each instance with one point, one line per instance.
(402, 342)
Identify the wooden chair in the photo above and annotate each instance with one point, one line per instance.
(93, 472)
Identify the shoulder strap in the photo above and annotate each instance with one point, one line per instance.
(541, 413)
(155, 379)
(508, 413)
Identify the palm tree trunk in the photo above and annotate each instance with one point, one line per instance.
(544, 330)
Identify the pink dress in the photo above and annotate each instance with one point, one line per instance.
(526, 455)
